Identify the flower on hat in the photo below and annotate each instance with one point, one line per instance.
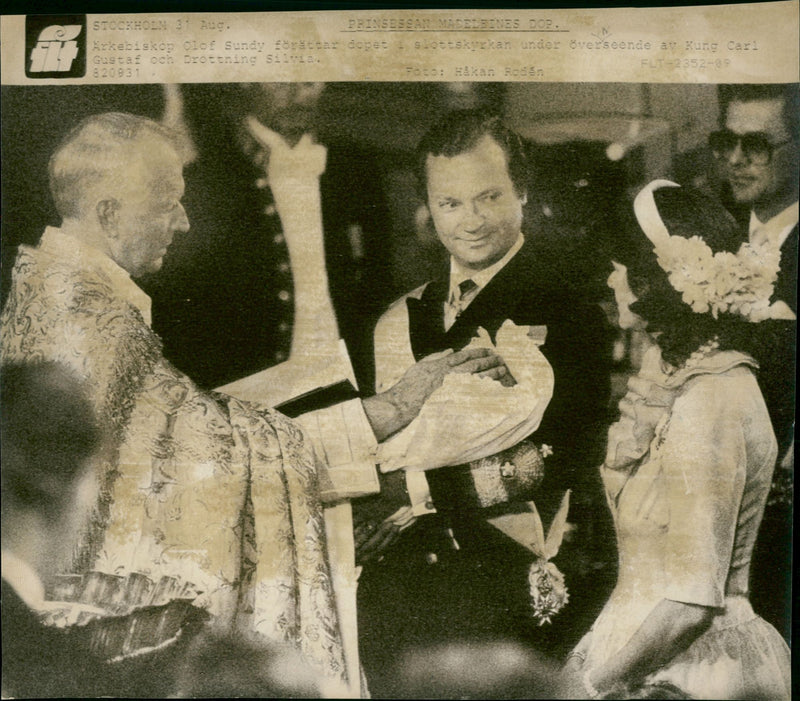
(734, 283)
(723, 282)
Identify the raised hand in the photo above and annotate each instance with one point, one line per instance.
(303, 161)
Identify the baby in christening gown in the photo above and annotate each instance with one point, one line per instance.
(469, 417)
(471, 420)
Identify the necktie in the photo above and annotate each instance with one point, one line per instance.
(466, 290)
(466, 286)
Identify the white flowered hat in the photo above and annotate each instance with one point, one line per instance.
(740, 283)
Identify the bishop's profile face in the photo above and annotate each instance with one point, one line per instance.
(475, 208)
(150, 210)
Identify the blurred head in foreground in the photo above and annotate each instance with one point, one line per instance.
(49, 437)
(226, 666)
(501, 670)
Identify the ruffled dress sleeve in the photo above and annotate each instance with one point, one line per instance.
(703, 454)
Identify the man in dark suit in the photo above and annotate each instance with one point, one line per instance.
(758, 154)
(452, 575)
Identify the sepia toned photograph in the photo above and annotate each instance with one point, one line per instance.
(446, 374)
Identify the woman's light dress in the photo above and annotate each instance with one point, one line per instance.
(687, 473)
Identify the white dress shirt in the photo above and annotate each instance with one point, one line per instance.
(775, 230)
(455, 303)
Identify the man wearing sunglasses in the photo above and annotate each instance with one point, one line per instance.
(758, 156)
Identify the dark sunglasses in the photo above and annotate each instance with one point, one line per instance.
(756, 145)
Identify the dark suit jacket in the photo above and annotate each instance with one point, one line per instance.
(786, 284)
(480, 589)
(776, 350)
(528, 292)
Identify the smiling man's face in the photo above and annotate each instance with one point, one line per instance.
(475, 208)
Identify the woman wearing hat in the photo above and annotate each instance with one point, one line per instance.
(688, 466)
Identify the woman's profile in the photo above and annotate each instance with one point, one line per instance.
(688, 466)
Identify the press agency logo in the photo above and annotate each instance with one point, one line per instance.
(55, 46)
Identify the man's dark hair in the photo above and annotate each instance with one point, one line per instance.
(788, 92)
(48, 431)
(460, 131)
